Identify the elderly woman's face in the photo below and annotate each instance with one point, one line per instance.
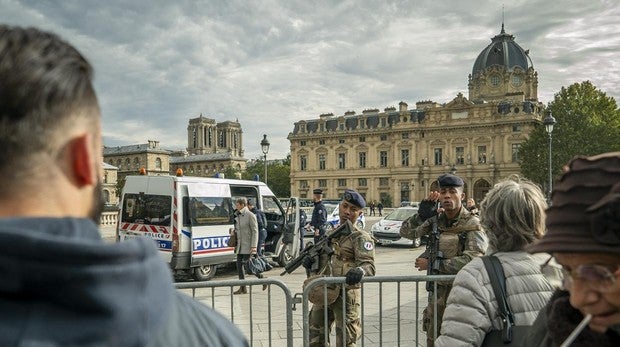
(593, 282)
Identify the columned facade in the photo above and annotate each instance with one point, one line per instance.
(397, 154)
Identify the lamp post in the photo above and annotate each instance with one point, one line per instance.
(549, 122)
(264, 145)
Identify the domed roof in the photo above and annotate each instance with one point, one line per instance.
(502, 51)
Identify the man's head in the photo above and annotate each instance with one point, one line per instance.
(317, 195)
(451, 193)
(50, 131)
(583, 234)
(250, 204)
(351, 206)
(240, 203)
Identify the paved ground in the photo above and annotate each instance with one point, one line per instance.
(388, 311)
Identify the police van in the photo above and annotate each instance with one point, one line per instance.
(189, 219)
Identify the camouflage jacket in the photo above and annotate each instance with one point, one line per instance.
(354, 250)
(460, 239)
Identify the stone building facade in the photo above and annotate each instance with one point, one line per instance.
(211, 148)
(397, 154)
(130, 159)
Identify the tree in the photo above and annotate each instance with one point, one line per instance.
(278, 175)
(588, 123)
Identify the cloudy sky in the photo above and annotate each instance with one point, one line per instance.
(271, 63)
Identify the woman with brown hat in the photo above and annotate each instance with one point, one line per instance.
(584, 238)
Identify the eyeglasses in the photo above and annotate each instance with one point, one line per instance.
(597, 277)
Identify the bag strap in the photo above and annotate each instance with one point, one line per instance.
(498, 282)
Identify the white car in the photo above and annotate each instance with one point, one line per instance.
(387, 230)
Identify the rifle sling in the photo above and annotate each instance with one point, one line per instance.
(460, 229)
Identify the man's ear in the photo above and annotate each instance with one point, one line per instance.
(82, 159)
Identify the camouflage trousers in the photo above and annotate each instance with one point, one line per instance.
(351, 318)
(428, 314)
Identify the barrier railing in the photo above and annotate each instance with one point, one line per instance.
(391, 308)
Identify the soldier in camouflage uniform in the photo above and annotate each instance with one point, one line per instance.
(461, 238)
(353, 258)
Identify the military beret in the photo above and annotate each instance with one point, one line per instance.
(317, 191)
(450, 180)
(354, 198)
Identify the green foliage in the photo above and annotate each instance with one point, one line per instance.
(588, 123)
(386, 200)
(278, 175)
(120, 183)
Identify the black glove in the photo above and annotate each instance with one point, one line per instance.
(427, 209)
(354, 276)
(307, 262)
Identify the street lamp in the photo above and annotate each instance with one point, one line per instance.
(264, 145)
(549, 122)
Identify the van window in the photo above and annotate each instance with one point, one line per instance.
(147, 209)
(207, 211)
(272, 209)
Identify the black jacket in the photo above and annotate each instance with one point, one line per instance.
(556, 321)
(61, 285)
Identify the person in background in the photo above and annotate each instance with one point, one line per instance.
(372, 208)
(461, 239)
(319, 215)
(583, 235)
(303, 220)
(513, 216)
(471, 207)
(261, 220)
(380, 208)
(246, 227)
(353, 258)
(62, 285)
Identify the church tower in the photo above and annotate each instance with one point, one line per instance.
(206, 136)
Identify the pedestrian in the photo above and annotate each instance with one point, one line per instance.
(513, 216)
(353, 258)
(319, 215)
(246, 228)
(303, 220)
(380, 208)
(261, 220)
(461, 239)
(372, 208)
(583, 235)
(471, 207)
(62, 285)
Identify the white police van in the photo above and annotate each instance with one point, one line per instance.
(189, 218)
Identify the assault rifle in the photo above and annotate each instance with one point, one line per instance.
(321, 247)
(434, 255)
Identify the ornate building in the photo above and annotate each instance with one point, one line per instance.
(397, 154)
(130, 159)
(211, 148)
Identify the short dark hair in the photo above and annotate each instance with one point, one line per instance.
(45, 85)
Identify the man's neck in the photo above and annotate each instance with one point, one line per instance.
(451, 214)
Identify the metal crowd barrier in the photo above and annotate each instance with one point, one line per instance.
(391, 308)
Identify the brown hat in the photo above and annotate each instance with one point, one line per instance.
(585, 208)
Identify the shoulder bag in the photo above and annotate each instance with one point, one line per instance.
(232, 240)
(510, 335)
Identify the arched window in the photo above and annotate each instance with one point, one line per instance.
(158, 163)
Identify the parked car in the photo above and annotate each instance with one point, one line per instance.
(387, 230)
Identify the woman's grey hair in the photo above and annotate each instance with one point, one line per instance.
(513, 214)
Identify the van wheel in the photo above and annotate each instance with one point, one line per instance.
(285, 257)
(204, 272)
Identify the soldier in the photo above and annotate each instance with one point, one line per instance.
(461, 238)
(319, 215)
(354, 258)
